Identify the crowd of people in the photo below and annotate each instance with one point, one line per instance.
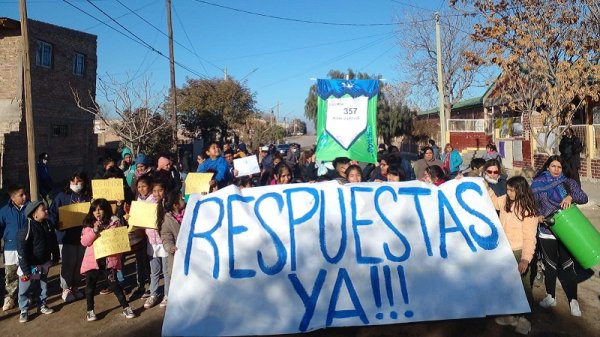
(32, 231)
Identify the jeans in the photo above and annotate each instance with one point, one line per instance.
(158, 264)
(70, 275)
(39, 288)
(92, 277)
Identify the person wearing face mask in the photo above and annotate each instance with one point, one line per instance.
(290, 158)
(493, 175)
(76, 191)
(43, 176)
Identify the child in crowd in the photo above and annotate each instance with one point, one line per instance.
(12, 218)
(216, 162)
(282, 174)
(76, 191)
(99, 218)
(434, 175)
(138, 241)
(354, 174)
(157, 255)
(243, 182)
(519, 221)
(37, 249)
(169, 222)
(395, 173)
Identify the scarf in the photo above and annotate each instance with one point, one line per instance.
(447, 162)
(551, 186)
(178, 216)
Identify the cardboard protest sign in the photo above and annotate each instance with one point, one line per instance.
(347, 119)
(72, 215)
(197, 182)
(302, 257)
(111, 241)
(142, 214)
(246, 166)
(109, 189)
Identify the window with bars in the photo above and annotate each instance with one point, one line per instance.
(43, 55)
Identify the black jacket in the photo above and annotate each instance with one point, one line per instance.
(36, 245)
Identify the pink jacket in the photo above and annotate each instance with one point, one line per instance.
(89, 260)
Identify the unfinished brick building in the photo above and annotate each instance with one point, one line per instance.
(60, 58)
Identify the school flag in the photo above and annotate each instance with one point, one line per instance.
(347, 119)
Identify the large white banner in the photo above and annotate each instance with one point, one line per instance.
(294, 258)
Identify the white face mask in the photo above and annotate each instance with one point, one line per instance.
(490, 179)
(76, 188)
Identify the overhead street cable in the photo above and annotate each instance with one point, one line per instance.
(138, 40)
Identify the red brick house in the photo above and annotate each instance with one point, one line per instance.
(60, 58)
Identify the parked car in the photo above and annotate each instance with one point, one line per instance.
(283, 148)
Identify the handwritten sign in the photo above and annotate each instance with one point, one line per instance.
(142, 214)
(246, 166)
(308, 256)
(197, 182)
(111, 241)
(72, 215)
(109, 189)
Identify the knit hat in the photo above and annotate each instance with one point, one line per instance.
(32, 206)
(242, 147)
(141, 159)
(162, 163)
(126, 151)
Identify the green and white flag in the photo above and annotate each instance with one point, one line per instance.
(347, 119)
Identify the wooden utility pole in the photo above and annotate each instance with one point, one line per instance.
(33, 187)
(172, 68)
(440, 73)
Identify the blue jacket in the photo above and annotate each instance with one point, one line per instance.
(11, 220)
(455, 161)
(219, 165)
(71, 236)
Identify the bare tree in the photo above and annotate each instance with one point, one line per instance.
(419, 62)
(138, 110)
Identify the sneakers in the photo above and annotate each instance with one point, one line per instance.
(506, 320)
(575, 311)
(90, 316)
(68, 296)
(128, 312)
(9, 303)
(139, 292)
(163, 303)
(43, 309)
(146, 294)
(23, 317)
(150, 302)
(549, 301)
(78, 294)
(105, 291)
(523, 326)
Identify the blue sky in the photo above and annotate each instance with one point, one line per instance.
(277, 58)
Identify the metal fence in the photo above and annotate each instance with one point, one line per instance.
(466, 125)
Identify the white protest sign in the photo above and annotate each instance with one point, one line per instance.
(246, 166)
(346, 118)
(294, 258)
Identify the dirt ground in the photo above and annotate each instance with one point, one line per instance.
(69, 319)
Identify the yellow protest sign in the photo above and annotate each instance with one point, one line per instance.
(142, 214)
(197, 182)
(72, 215)
(109, 189)
(111, 241)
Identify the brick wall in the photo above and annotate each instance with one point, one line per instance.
(595, 169)
(54, 107)
(10, 62)
(464, 140)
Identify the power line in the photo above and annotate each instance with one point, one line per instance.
(190, 42)
(123, 15)
(411, 5)
(300, 20)
(142, 42)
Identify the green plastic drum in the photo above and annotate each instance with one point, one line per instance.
(578, 234)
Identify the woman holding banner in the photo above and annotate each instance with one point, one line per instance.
(76, 191)
(554, 191)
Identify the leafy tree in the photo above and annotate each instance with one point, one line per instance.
(141, 123)
(263, 130)
(213, 107)
(547, 52)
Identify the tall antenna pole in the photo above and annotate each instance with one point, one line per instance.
(440, 76)
(33, 188)
(172, 68)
